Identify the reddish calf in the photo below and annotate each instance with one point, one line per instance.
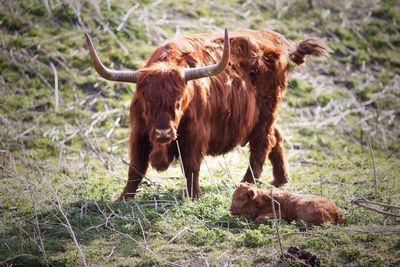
(256, 204)
(210, 93)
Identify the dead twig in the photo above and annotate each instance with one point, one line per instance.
(36, 220)
(126, 16)
(373, 164)
(364, 203)
(56, 95)
(276, 224)
(68, 226)
(181, 159)
(209, 172)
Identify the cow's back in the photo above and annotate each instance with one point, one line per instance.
(246, 96)
(228, 108)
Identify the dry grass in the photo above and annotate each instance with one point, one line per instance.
(63, 133)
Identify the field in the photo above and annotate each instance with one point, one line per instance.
(64, 130)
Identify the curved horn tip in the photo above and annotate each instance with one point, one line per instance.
(207, 71)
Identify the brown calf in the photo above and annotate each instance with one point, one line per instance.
(256, 204)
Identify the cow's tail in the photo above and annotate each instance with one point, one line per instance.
(311, 46)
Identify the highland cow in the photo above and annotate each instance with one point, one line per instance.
(204, 94)
(256, 204)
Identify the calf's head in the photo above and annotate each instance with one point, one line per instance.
(162, 90)
(244, 196)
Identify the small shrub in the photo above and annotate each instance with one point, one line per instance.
(352, 83)
(348, 255)
(60, 260)
(255, 238)
(396, 244)
(64, 14)
(37, 10)
(317, 243)
(203, 237)
(371, 260)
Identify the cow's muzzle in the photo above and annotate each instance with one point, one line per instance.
(164, 135)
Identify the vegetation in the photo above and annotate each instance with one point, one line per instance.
(60, 162)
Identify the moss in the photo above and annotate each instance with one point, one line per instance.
(352, 83)
(203, 10)
(12, 25)
(37, 10)
(18, 42)
(396, 244)
(64, 14)
(61, 260)
(27, 260)
(362, 94)
(322, 100)
(372, 260)
(386, 12)
(380, 43)
(362, 56)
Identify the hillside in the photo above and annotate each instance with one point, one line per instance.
(64, 132)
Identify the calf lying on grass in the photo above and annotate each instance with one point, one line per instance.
(256, 204)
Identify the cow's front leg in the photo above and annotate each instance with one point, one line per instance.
(139, 162)
(192, 182)
(260, 146)
(278, 161)
(191, 160)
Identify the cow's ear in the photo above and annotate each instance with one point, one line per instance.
(252, 193)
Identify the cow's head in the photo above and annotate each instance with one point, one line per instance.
(163, 90)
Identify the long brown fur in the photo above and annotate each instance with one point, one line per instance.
(256, 204)
(213, 115)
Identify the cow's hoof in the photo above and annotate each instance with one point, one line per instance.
(279, 182)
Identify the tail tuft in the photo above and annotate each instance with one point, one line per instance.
(312, 46)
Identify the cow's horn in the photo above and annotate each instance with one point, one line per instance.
(106, 73)
(207, 71)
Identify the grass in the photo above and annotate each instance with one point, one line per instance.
(61, 171)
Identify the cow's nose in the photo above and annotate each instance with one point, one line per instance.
(163, 134)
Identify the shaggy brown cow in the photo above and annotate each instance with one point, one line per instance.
(256, 204)
(209, 116)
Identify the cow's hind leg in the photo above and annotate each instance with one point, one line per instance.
(260, 146)
(278, 161)
(140, 149)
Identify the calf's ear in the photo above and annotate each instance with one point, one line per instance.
(252, 193)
